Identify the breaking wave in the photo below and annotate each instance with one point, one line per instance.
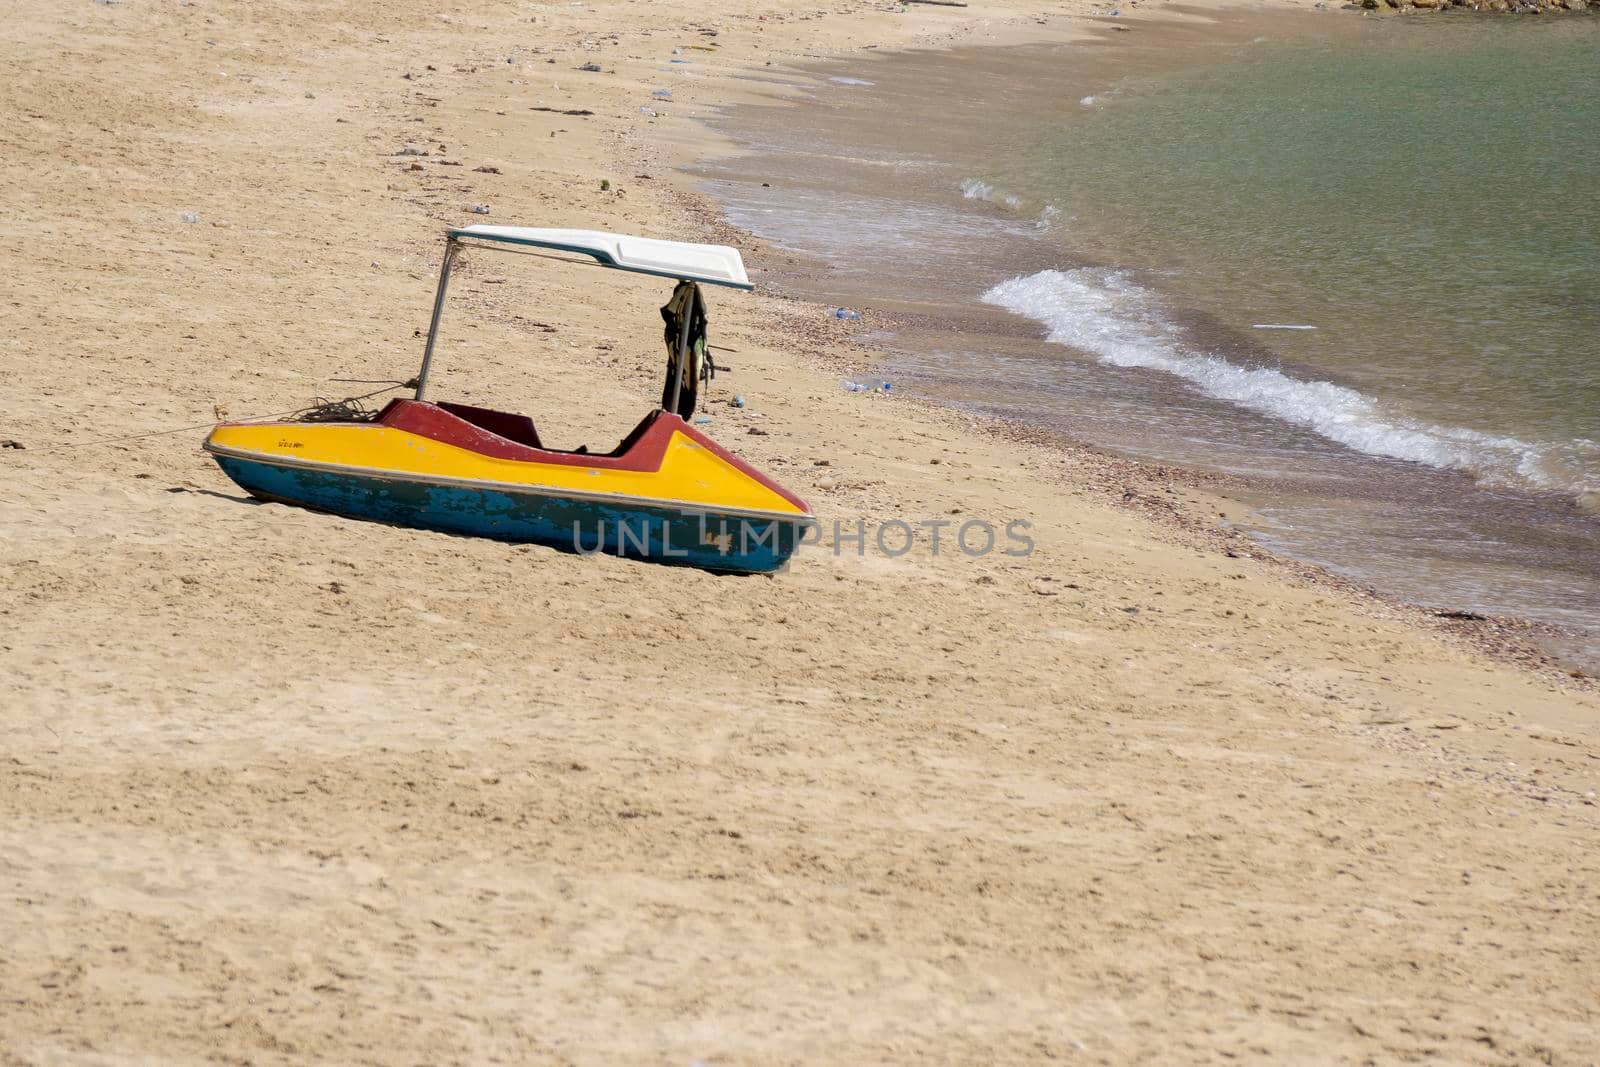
(1104, 313)
(976, 189)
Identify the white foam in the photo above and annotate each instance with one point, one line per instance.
(1104, 313)
(974, 189)
(1089, 101)
(843, 80)
(977, 189)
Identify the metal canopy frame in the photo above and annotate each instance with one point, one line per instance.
(452, 249)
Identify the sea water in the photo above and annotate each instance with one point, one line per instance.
(1359, 270)
(1427, 201)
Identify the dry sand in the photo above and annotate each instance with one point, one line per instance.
(281, 788)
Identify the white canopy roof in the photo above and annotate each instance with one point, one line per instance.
(716, 264)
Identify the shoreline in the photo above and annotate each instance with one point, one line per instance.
(1139, 486)
(1544, 644)
(285, 788)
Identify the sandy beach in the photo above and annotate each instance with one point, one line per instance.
(281, 787)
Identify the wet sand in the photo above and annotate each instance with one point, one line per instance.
(284, 788)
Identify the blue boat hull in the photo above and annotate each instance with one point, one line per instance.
(660, 534)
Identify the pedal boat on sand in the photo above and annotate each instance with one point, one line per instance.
(667, 493)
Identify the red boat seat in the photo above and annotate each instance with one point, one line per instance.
(518, 428)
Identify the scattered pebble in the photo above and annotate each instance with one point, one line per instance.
(479, 209)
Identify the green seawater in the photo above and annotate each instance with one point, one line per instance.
(1428, 198)
(1423, 190)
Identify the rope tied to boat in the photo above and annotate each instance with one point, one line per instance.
(350, 408)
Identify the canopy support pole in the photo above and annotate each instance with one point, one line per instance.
(450, 249)
(676, 393)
